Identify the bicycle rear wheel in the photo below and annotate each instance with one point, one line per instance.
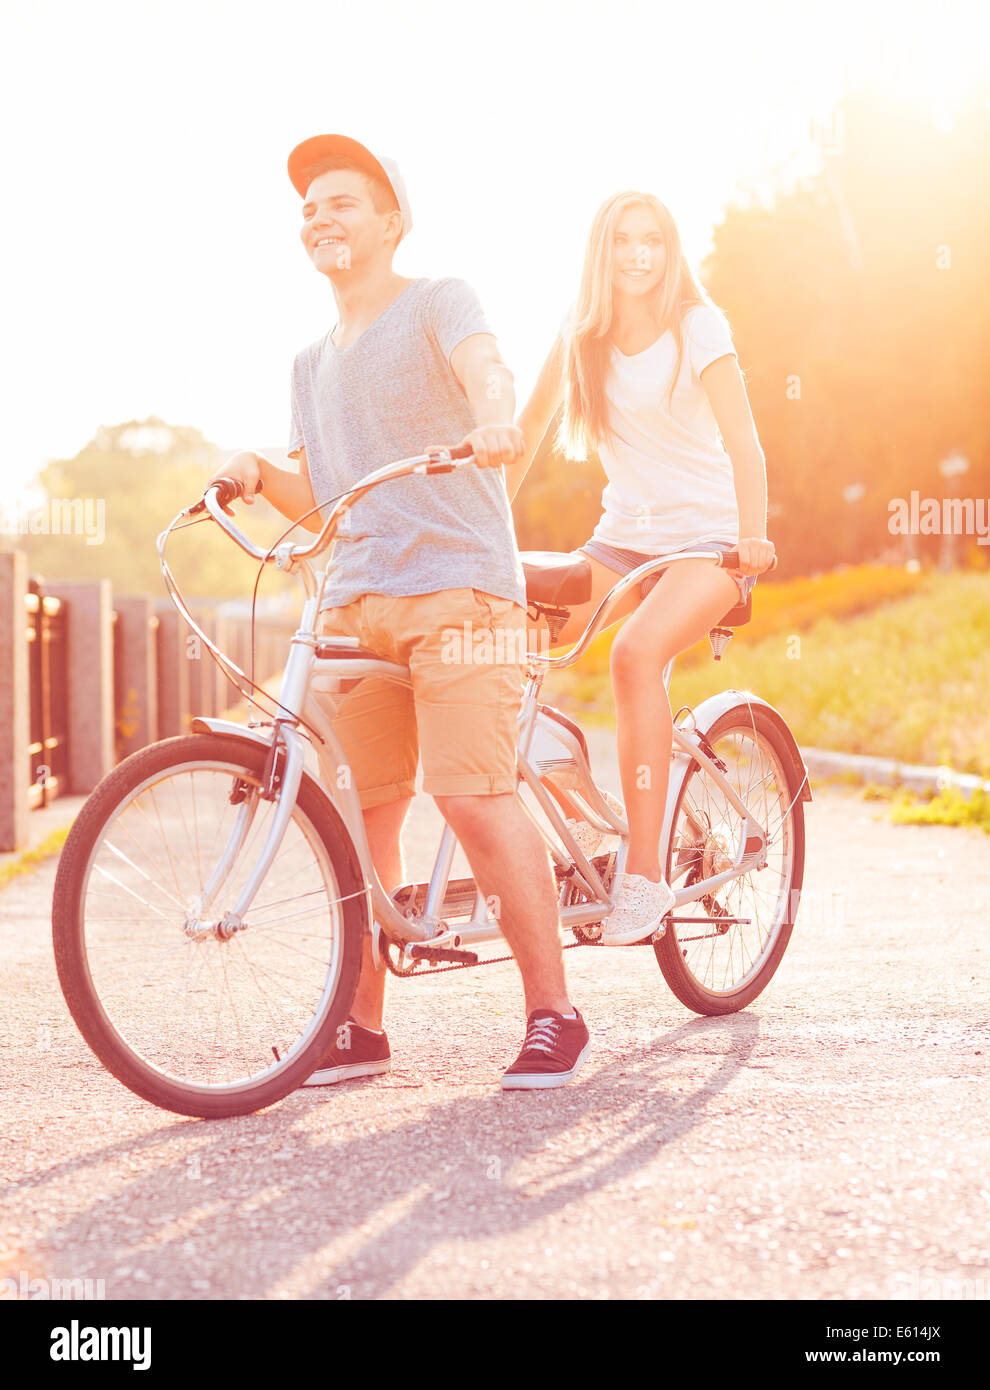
(190, 1018)
(716, 969)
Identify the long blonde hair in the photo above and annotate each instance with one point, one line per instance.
(584, 424)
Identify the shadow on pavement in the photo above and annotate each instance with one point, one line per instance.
(271, 1196)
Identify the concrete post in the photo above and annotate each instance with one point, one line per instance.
(227, 693)
(137, 720)
(173, 671)
(14, 716)
(89, 639)
(202, 668)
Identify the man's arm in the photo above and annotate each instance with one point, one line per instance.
(289, 493)
(487, 383)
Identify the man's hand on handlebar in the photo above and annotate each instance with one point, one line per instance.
(243, 469)
(493, 445)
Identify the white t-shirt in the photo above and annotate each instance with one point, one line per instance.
(670, 481)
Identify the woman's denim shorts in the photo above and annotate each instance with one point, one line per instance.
(623, 561)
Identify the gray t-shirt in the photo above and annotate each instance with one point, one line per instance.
(388, 396)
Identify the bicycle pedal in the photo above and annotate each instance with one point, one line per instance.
(442, 953)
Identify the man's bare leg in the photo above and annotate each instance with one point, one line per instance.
(510, 863)
(383, 826)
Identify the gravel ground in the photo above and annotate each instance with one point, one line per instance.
(829, 1142)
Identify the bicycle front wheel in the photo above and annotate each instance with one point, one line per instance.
(194, 1018)
(719, 966)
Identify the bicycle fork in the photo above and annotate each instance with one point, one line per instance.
(233, 920)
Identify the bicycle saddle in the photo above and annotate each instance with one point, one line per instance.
(556, 580)
(740, 615)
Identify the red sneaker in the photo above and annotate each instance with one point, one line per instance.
(357, 1052)
(552, 1053)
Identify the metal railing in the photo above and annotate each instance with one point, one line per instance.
(47, 695)
(114, 668)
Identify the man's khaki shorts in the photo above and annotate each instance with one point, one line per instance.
(465, 651)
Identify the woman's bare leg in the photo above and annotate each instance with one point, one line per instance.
(688, 600)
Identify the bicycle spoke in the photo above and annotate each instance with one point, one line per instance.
(166, 843)
(707, 829)
(198, 1007)
(105, 873)
(147, 877)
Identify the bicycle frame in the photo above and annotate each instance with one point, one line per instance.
(548, 752)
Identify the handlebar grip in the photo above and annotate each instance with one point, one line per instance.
(228, 489)
(730, 561)
(444, 461)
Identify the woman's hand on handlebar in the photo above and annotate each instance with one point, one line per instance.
(243, 469)
(755, 555)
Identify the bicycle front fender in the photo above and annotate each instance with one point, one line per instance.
(203, 725)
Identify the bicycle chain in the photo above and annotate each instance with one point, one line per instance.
(473, 964)
(467, 965)
(571, 945)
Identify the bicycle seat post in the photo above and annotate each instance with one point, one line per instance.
(556, 620)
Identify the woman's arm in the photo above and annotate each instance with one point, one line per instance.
(537, 413)
(726, 392)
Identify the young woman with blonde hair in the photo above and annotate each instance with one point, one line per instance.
(648, 377)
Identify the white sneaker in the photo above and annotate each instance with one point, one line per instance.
(589, 840)
(640, 905)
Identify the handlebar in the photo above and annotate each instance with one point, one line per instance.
(600, 618)
(461, 453)
(730, 561)
(225, 490)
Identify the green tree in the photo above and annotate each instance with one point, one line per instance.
(133, 478)
(860, 306)
(559, 503)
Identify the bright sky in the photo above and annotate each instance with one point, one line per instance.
(151, 260)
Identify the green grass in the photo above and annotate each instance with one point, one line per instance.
(28, 861)
(948, 807)
(797, 604)
(907, 680)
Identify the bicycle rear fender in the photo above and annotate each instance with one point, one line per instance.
(715, 706)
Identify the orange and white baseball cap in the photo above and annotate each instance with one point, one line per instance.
(318, 147)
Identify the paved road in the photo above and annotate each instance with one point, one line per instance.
(830, 1142)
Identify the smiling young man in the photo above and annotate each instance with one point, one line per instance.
(411, 363)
